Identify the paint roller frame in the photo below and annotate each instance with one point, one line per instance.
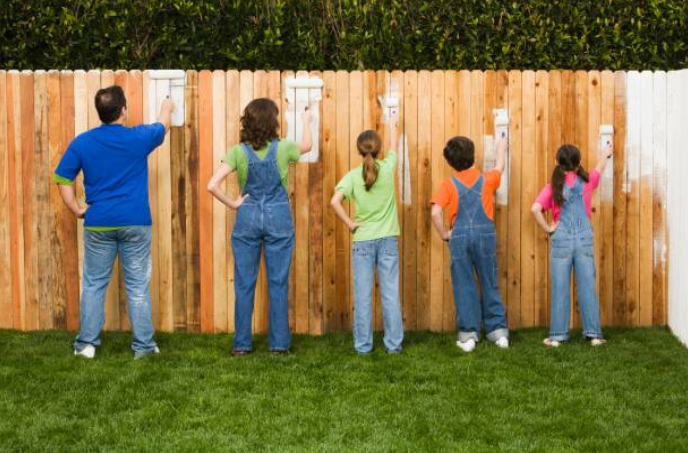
(293, 83)
(176, 91)
(309, 83)
(169, 74)
(606, 130)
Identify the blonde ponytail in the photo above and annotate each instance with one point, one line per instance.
(369, 144)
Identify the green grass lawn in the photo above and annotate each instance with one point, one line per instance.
(629, 395)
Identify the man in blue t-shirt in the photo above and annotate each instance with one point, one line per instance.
(114, 159)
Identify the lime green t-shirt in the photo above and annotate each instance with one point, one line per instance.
(376, 209)
(287, 152)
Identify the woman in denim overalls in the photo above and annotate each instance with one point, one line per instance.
(572, 243)
(263, 220)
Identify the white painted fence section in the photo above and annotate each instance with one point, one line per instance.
(677, 201)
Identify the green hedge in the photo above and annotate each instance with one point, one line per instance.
(344, 34)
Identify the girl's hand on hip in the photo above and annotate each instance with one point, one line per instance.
(553, 228)
(446, 236)
(240, 200)
(353, 226)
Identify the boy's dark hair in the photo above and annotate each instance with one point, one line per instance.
(459, 152)
(109, 103)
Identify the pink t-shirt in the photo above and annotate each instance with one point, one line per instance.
(546, 200)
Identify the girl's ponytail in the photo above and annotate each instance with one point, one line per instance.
(369, 170)
(558, 178)
(568, 159)
(583, 174)
(369, 145)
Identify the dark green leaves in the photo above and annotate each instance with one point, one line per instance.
(344, 34)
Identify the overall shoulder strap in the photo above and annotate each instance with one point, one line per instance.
(460, 187)
(272, 150)
(250, 153)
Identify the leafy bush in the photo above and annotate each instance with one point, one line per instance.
(344, 34)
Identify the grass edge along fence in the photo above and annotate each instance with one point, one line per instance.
(192, 289)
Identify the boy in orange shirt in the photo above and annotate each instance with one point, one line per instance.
(469, 195)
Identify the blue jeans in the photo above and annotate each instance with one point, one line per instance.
(573, 250)
(248, 240)
(475, 250)
(133, 244)
(366, 255)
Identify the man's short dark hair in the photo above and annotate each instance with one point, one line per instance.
(459, 152)
(109, 103)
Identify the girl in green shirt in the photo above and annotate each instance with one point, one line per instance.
(375, 229)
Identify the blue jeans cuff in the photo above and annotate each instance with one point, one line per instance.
(558, 337)
(592, 335)
(496, 334)
(465, 336)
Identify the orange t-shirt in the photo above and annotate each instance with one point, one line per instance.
(447, 195)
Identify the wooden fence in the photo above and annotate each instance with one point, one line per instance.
(40, 241)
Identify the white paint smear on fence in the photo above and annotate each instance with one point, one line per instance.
(646, 123)
(659, 142)
(501, 121)
(300, 96)
(404, 171)
(632, 146)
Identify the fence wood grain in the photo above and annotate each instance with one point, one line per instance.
(41, 251)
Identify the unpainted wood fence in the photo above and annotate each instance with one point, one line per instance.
(41, 245)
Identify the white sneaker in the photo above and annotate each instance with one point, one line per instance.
(466, 346)
(503, 343)
(551, 343)
(89, 352)
(597, 341)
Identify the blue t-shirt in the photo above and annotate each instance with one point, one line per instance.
(114, 159)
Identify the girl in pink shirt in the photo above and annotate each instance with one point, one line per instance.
(569, 196)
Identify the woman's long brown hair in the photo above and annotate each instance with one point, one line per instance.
(568, 159)
(259, 124)
(369, 145)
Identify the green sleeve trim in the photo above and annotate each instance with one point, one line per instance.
(62, 180)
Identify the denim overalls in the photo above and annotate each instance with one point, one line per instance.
(572, 246)
(264, 219)
(473, 245)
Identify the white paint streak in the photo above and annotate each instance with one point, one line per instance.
(632, 147)
(489, 153)
(304, 92)
(501, 121)
(607, 186)
(646, 123)
(404, 172)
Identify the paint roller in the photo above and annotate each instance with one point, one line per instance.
(170, 83)
(390, 104)
(294, 83)
(501, 123)
(606, 136)
(303, 82)
(300, 91)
